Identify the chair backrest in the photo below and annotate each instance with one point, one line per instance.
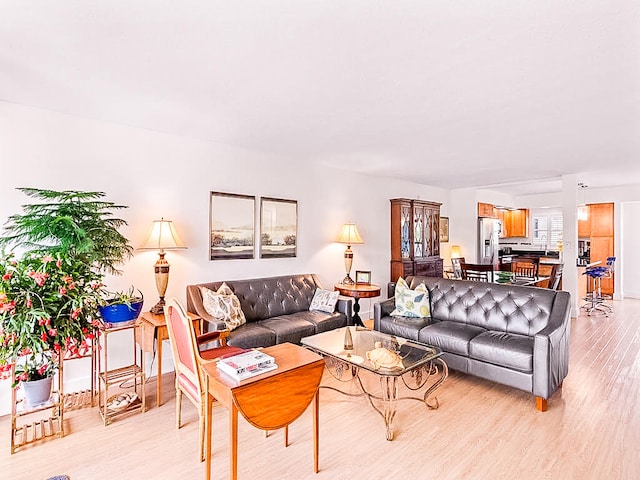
(456, 265)
(555, 278)
(525, 267)
(477, 272)
(184, 347)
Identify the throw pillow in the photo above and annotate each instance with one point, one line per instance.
(223, 305)
(324, 300)
(411, 303)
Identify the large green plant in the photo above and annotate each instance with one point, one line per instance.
(70, 223)
(50, 291)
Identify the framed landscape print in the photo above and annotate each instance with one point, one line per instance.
(231, 226)
(278, 228)
(444, 229)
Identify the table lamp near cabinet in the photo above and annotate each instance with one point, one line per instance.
(163, 236)
(349, 236)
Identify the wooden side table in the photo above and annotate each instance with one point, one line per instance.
(269, 401)
(357, 291)
(153, 326)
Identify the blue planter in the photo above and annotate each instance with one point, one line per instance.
(120, 312)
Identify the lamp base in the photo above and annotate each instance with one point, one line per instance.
(347, 280)
(158, 308)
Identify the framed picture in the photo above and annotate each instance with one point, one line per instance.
(231, 226)
(444, 229)
(278, 228)
(363, 277)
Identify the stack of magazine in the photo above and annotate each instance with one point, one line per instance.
(249, 363)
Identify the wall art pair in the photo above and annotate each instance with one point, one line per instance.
(232, 227)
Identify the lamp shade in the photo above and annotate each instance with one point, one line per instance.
(163, 236)
(455, 251)
(349, 235)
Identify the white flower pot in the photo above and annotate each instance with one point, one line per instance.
(37, 392)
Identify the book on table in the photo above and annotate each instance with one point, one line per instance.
(246, 364)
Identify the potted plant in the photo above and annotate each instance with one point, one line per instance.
(121, 307)
(50, 294)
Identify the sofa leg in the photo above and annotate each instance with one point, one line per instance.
(541, 404)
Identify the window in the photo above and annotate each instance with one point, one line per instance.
(547, 231)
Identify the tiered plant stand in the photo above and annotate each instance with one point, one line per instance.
(109, 379)
(27, 427)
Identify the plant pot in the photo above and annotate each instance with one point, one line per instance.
(37, 392)
(121, 312)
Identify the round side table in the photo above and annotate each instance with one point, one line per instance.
(357, 291)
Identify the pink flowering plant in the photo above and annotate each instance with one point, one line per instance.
(49, 295)
(47, 308)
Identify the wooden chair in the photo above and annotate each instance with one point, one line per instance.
(456, 266)
(476, 272)
(555, 279)
(187, 358)
(526, 267)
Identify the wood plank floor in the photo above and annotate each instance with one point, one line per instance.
(481, 431)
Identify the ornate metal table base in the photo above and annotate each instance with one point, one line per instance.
(414, 380)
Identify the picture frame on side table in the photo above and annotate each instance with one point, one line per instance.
(444, 229)
(231, 226)
(278, 228)
(363, 277)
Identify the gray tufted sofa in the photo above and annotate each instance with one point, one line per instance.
(517, 336)
(276, 309)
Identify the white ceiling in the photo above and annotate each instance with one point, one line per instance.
(454, 93)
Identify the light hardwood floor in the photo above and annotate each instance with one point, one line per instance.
(481, 431)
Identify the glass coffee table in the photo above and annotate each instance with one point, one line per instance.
(391, 358)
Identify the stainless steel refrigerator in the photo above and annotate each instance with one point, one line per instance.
(488, 240)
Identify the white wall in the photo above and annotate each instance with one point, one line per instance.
(159, 175)
(629, 252)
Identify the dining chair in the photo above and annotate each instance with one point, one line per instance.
(526, 267)
(456, 266)
(477, 272)
(187, 357)
(555, 279)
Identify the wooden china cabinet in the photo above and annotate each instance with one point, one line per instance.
(415, 238)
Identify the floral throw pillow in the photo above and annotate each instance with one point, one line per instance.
(411, 303)
(223, 305)
(324, 300)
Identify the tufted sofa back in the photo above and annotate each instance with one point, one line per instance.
(262, 298)
(508, 308)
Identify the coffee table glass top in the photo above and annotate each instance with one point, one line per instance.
(410, 354)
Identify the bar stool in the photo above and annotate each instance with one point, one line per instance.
(595, 300)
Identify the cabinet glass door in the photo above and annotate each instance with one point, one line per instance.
(418, 234)
(405, 231)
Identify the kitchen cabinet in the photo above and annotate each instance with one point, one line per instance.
(518, 222)
(503, 224)
(599, 228)
(515, 223)
(415, 238)
(486, 210)
(601, 215)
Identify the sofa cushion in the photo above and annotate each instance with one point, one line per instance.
(411, 303)
(405, 327)
(223, 305)
(450, 336)
(325, 321)
(505, 349)
(324, 300)
(252, 335)
(290, 328)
